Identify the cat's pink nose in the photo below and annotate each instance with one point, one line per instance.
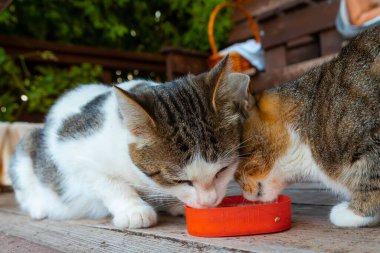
(210, 200)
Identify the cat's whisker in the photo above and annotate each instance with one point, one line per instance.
(244, 155)
(159, 197)
(235, 148)
(167, 205)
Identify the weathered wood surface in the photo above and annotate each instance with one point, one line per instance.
(264, 8)
(279, 76)
(310, 232)
(292, 30)
(15, 244)
(76, 54)
(181, 61)
(172, 61)
(282, 28)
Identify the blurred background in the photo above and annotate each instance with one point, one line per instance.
(50, 46)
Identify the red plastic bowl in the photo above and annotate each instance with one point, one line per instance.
(237, 216)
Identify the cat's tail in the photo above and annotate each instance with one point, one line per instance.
(23, 178)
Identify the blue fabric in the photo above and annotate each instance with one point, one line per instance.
(250, 50)
(344, 25)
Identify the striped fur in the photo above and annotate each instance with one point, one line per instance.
(322, 126)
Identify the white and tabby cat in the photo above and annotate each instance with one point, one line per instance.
(111, 151)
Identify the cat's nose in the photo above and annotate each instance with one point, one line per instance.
(209, 200)
(208, 203)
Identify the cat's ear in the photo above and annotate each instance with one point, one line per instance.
(216, 77)
(134, 112)
(229, 87)
(237, 89)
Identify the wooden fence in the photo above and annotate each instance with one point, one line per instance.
(171, 62)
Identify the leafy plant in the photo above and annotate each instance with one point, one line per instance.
(36, 90)
(195, 33)
(144, 25)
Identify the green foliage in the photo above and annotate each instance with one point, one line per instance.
(144, 25)
(195, 33)
(36, 91)
(9, 73)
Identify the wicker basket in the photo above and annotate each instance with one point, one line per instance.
(238, 63)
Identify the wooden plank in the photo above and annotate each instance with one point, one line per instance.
(311, 232)
(277, 77)
(7, 201)
(302, 53)
(300, 193)
(324, 197)
(275, 58)
(182, 61)
(188, 64)
(321, 197)
(85, 236)
(330, 42)
(4, 4)
(18, 245)
(289, 26)
(5, 188)
(35, 117)
(68, 54)
(301, 41)
(35, 45)
(264, 8)
(305, 21)
(106, 62)
(107, 76)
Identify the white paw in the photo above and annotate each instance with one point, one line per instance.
(342, 216)
(176, 210)
(141, 216)
(37, 214)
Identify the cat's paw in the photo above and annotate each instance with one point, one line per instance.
(341, 215)
(141, 216)
(176, 210)
(37, 214)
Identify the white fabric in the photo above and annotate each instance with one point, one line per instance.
(344, 25)
(250, 50)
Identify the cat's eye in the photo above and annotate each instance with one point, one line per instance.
(184, 182)
(220, 171)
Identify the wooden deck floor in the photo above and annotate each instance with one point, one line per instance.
(310, 232)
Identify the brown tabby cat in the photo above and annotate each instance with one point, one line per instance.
(323, 126)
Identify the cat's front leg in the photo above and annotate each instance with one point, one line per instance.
(140, 215)
(362, 211)
(125, 205)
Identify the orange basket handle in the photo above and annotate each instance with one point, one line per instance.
(251, 22)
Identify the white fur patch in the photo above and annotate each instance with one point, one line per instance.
(97, 173)
(342, 216)
(298, 164)
(140, 216)
(207, 189)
